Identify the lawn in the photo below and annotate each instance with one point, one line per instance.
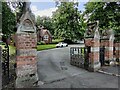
(12, 49)
(57, 40)
(45, 47)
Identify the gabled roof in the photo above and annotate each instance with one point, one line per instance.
(43, 31)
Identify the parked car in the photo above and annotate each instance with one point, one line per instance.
(61, 44)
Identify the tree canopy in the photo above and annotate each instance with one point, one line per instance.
(8, 20)
(46, 22)
(18, 6)
(10, 17)
(0, 17)
(68, 22)
(107, 13)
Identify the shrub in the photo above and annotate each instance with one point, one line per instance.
(41, 43)
(38, 43)
(2, 43)
(56, 41)
(68, 41)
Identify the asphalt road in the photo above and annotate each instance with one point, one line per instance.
(55, 71)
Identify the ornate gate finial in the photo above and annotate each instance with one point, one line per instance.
(27, 5)
(27, 20)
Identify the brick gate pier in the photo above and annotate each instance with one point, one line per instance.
(26, 43)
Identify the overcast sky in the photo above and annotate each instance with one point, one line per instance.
(46, 8)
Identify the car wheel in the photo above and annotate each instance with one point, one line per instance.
(62, 46)
(66, 45)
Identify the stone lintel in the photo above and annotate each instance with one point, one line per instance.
(26, 52)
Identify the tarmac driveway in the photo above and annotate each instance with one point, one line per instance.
(54, 65)
(55, 71)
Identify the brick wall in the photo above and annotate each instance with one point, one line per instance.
(117, 51)
(26, 41)
(108, 49)
(93, 55)
(26, 59)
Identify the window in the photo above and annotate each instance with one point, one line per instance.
(46, 37)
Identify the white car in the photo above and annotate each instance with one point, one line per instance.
(61, 44)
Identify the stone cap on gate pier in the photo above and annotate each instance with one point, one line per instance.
(92, 31)
(27, 21)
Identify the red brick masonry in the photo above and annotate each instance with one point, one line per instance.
(117, 50)
(93, 57)
(26, 60)
(26, 41)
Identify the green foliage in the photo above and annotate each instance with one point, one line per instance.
(56, 41)
(8, 20)
(46, 22)
(12, 49)
(68, 22)
(45, 47)
(19, 8)
(0, 16)
(40, 43)
(108, 14)
(2, 43)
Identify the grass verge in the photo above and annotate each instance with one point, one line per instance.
(12, 49)
(45, 47)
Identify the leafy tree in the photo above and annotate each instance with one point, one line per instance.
(8, 20)
(46, 22)
(108, 14)
(11, 17)
(0, 17)
(18, 6)
(68, 21)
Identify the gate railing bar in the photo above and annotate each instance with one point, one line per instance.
(5, 61)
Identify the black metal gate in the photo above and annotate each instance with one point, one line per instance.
(77, 56)
(5, 65)
(102, 55)
(87, 52)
